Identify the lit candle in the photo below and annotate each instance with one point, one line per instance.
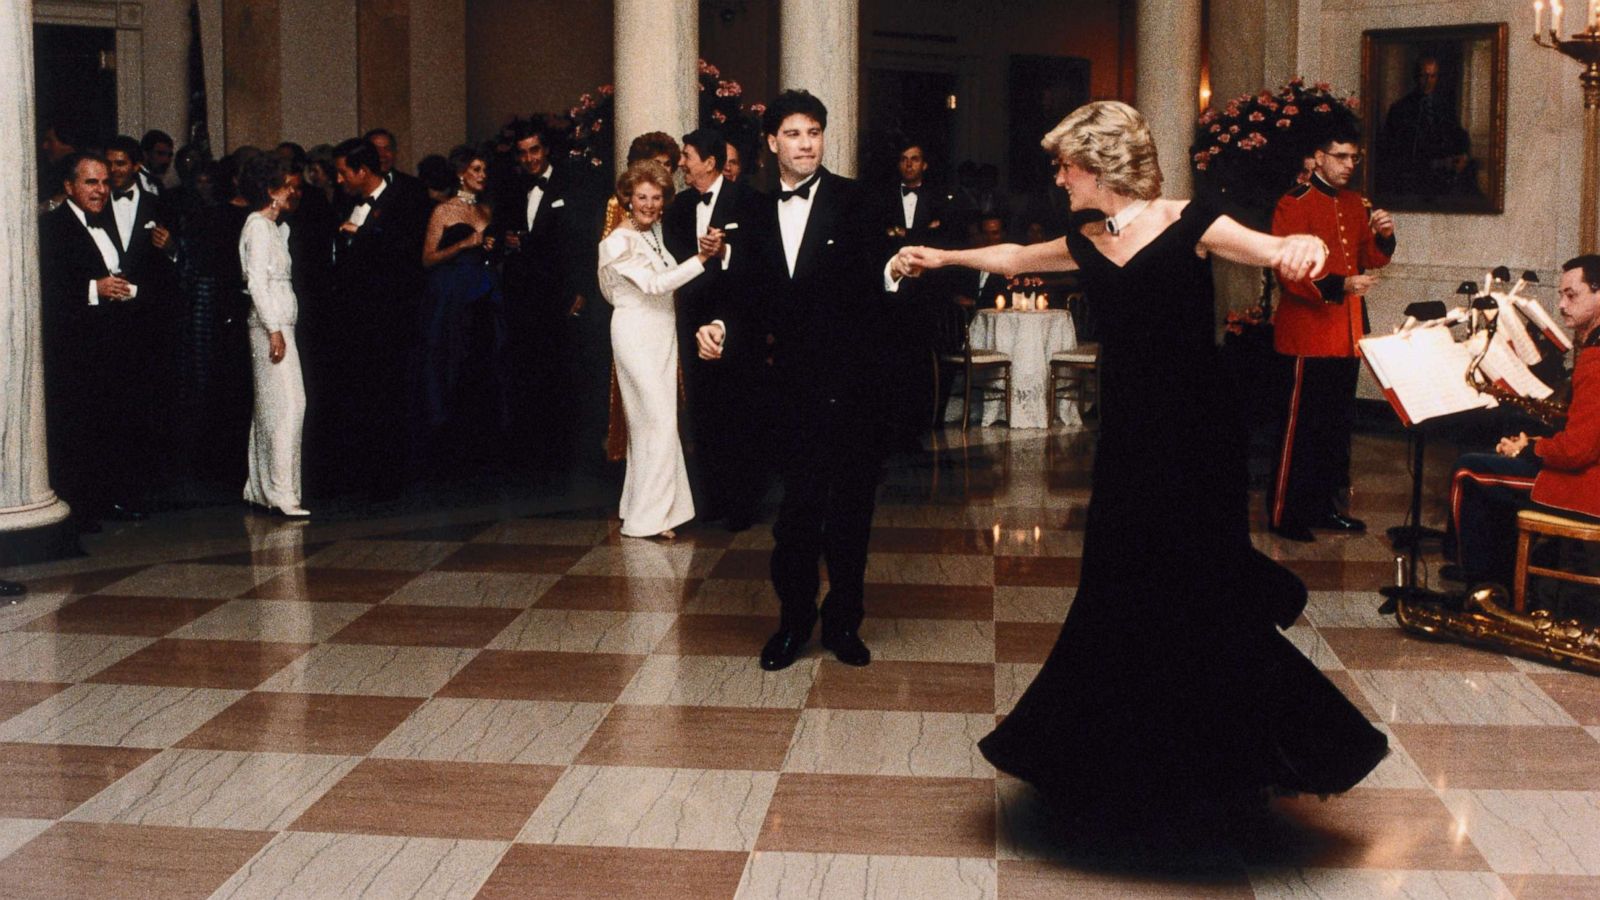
(1044, 301)
(1556, 10)
(1538, 17)
(999, 303)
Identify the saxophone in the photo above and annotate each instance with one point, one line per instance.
(1481, 617)
(1552, 413)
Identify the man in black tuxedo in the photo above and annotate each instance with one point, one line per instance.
(377, 288)
(93, 361)
(727, 399)
(815, 308)
(913, 212)
(149, 252)
(383, 141)
(548, 219)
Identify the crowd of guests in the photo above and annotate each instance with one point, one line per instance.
(227, 321)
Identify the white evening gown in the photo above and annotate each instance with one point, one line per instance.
(638, 279)
(280, 406)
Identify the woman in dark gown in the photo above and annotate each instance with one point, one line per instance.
(461, 285)
(1170, 685)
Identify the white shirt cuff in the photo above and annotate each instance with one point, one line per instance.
(890, 283)
(94, 293)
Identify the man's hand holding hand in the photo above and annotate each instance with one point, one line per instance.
(709, 340)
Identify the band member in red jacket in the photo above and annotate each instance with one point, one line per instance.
(1561, 471)
(1318, 323)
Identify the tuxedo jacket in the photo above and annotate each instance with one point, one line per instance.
(739, 210)
(78, 336)
(930, 224)
(380, 266)
(559, 254)
(142, 262)
(821, 329)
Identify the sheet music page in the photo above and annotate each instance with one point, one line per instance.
(1426, 369)
(1503, 366)
(1510, 324)
(1543, 321)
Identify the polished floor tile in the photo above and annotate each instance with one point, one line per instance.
(398, 556)
(371, 669)
(697, 737)
(625, 873)
(426, 626)
(61, 657)
(1532, 832)
(911, 686)
(418, 798)
(543, 675)
(302, 723)
(669, 809)
(525, 558)
(192, 580)
(137, 616)
(510, 590)
(585, 631)
(618, 593)
(930, 601)
(118, 715)
(112, 861)
(16, 696)
(278, 621)
(636, 558)
(1027, 879)
(718, 681)
(236, 665)
(1366, 829)
(1513, 757)
(888, 815)
(1028, 571)
(1459, 698)
(700, 635)
(312, 866)
(47, 781)
(323, 585)
(528, 732)
(1579, 695)
(1024, 642)
(878, 742)
(930, 640)
(1032, 604)
(842, 875)
(1390, 648)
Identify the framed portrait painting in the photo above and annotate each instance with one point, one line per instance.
(1434, 118)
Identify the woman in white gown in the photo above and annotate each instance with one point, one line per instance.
(272, 190)
(638, 276)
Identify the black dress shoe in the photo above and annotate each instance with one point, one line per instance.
(122, 512)
(848, 647)
(1293, 531)
(782, 649)
(1336, 522)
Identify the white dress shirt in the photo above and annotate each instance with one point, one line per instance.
(536, 195)
(793, 214)
(102, 241)
(702, 218)
(126, 209)
(359, 213)
(909, 203)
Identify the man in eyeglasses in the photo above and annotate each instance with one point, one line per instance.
(1318, 324)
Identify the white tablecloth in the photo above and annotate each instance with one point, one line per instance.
(1028, 338)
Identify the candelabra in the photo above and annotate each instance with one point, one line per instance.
(1583, 46)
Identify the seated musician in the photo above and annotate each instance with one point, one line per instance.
(1558, 474)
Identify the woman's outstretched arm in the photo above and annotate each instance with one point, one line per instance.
(1005, 259)
(1295, 257)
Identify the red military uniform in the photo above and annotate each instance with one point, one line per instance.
(1318, 323)
(1569, 474)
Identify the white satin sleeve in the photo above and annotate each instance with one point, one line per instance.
(624, 257)
(264, 256)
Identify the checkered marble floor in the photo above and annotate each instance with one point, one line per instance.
(458, 705)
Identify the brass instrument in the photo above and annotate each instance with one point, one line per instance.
(1552, 413)
(1481, 618)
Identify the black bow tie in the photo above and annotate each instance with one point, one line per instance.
(803, 191)
(707, 197)
(364, 201)
(122, 195)
(542, 182)
(909, 190)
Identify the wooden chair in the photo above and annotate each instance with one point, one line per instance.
(975, 363)
(1533, 522)
(1075, 374)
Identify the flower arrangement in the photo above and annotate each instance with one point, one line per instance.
(1240, 320)
(1253, 149)
(590, 134)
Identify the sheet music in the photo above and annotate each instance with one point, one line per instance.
(1505, 368)
(1425, 369)
(1510, 324)
(1543, 321)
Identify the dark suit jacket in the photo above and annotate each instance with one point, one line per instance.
(931, 225)
(142, 263)
(822, 327)
(378, 270)
(739, 211)
(559, 253)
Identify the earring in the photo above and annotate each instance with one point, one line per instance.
(1099, 182)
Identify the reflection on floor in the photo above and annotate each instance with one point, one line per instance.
(479, 701)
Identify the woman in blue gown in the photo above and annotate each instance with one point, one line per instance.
(1170, 684)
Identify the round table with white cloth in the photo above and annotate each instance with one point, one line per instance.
(1028, 337)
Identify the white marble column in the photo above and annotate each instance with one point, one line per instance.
(26, 500)
(657, 48)
(1168, 84)
(820, 47)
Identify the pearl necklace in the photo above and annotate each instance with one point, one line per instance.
(467, 197)
(1118, 224)
(653, 242)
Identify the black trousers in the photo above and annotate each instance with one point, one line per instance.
(731, 427)
(1313, 460)
(829, 493)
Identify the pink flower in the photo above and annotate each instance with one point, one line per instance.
(1297, 81)
(1215, 128)
(718, 116)
(1353, 103)
(1201, 165)
(1323, 107)
(1324, 87)
(1283, 123)
(1258, 116)
(758, 108)
(1233, 129)
(1213, 151)
(607, 90)
(1224, 138)
(1291, 110)
(1207, 117)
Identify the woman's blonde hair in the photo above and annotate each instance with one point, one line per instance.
(1112, 140)
(644, 170)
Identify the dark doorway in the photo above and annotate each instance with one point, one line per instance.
(913, 104)
(75, 79)
(1043, 90)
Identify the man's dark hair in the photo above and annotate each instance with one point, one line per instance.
(1343, 133)
(381, 132)
(69, 133)
(125, 144)
(708, 143)
(69, 163)
(1590, 264)
(153, 137)
(358, 153)
(790, 103)
(522, 129)
(437, 174)
(297, 154)
(903, 142)
(262, 174)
